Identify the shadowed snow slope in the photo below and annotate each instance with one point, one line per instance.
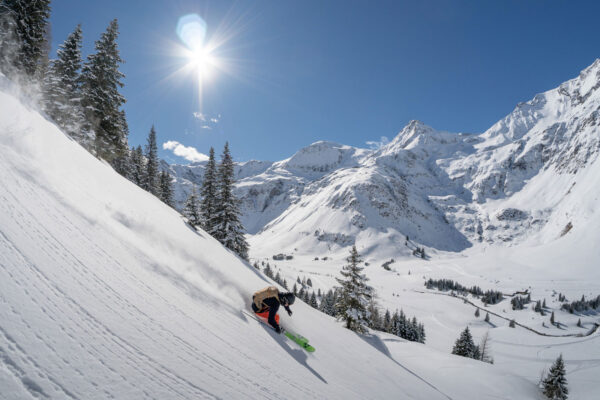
(106, 293)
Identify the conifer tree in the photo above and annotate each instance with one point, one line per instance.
(555, 383)
(166, 189)
(477, 312)
(209, 193)
(552, 318)
(306, 297)
(151, 183)
(190, 209)
(285, 284)
(511, 323)
(62, 92)
(295, 290)
(101, 80)
(24, 36)
(138, 166)
(387, 321)
(355, 294)
(228, 229)
(487, 317)
(464, 345)
(313, 301)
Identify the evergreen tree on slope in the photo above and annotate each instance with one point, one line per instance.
(555, 383)
(351, 306)
(62, 93)
(101, 80)
(209, 193)
(190, 209)
(228, 229)
(166, 189)
(23, 36)
(464, 345)
(138, 166)
(151, 183)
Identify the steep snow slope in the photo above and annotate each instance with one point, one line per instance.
(106, 293)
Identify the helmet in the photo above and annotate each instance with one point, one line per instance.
(288, 298)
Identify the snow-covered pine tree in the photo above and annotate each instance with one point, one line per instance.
(268, 271)
(166, 189)
(122, 162)
(138, 166)
(422, 335)
(355, 295)
(101, 80)
(313, 301)
(552, 318)
(306, 297)
(209, 193)
(477, 312)
(285, 284)
(190, 209)
(228, 229)
(464, 345)
(387, 321)
(24, 36)
(295, 289)
(487, 317)
(62, 92)
(375, 318)
(309, 282)
(277, 277)
(152, 175)
(555, 383)
(511, 323)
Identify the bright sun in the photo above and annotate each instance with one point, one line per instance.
(201, 60)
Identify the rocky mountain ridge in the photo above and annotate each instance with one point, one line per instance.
(445, 191)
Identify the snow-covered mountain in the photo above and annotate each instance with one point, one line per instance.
(444, 191)
(105, 293)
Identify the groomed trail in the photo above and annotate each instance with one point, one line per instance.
(105, 293)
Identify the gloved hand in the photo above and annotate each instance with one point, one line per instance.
(289, 312)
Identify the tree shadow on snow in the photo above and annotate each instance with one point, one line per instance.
(298, 354)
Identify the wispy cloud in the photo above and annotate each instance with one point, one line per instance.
(373, 144)
(200, 116)
(187, 152)
(208, 121)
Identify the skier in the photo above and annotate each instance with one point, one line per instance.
(265, 304)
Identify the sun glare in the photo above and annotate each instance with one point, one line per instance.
(191, 30)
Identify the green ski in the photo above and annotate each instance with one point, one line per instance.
(302, 341)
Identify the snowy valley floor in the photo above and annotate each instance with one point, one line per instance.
(517, 350)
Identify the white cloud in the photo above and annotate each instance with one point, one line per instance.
(200, 116)
(377, 144)
(206, 127)
(189, 153)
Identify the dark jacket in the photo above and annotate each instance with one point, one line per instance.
(272, 305)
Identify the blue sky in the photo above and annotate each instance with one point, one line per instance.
(295, 72)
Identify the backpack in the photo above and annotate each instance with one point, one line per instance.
(263, 294)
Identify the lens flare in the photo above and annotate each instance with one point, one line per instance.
(191, 29)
